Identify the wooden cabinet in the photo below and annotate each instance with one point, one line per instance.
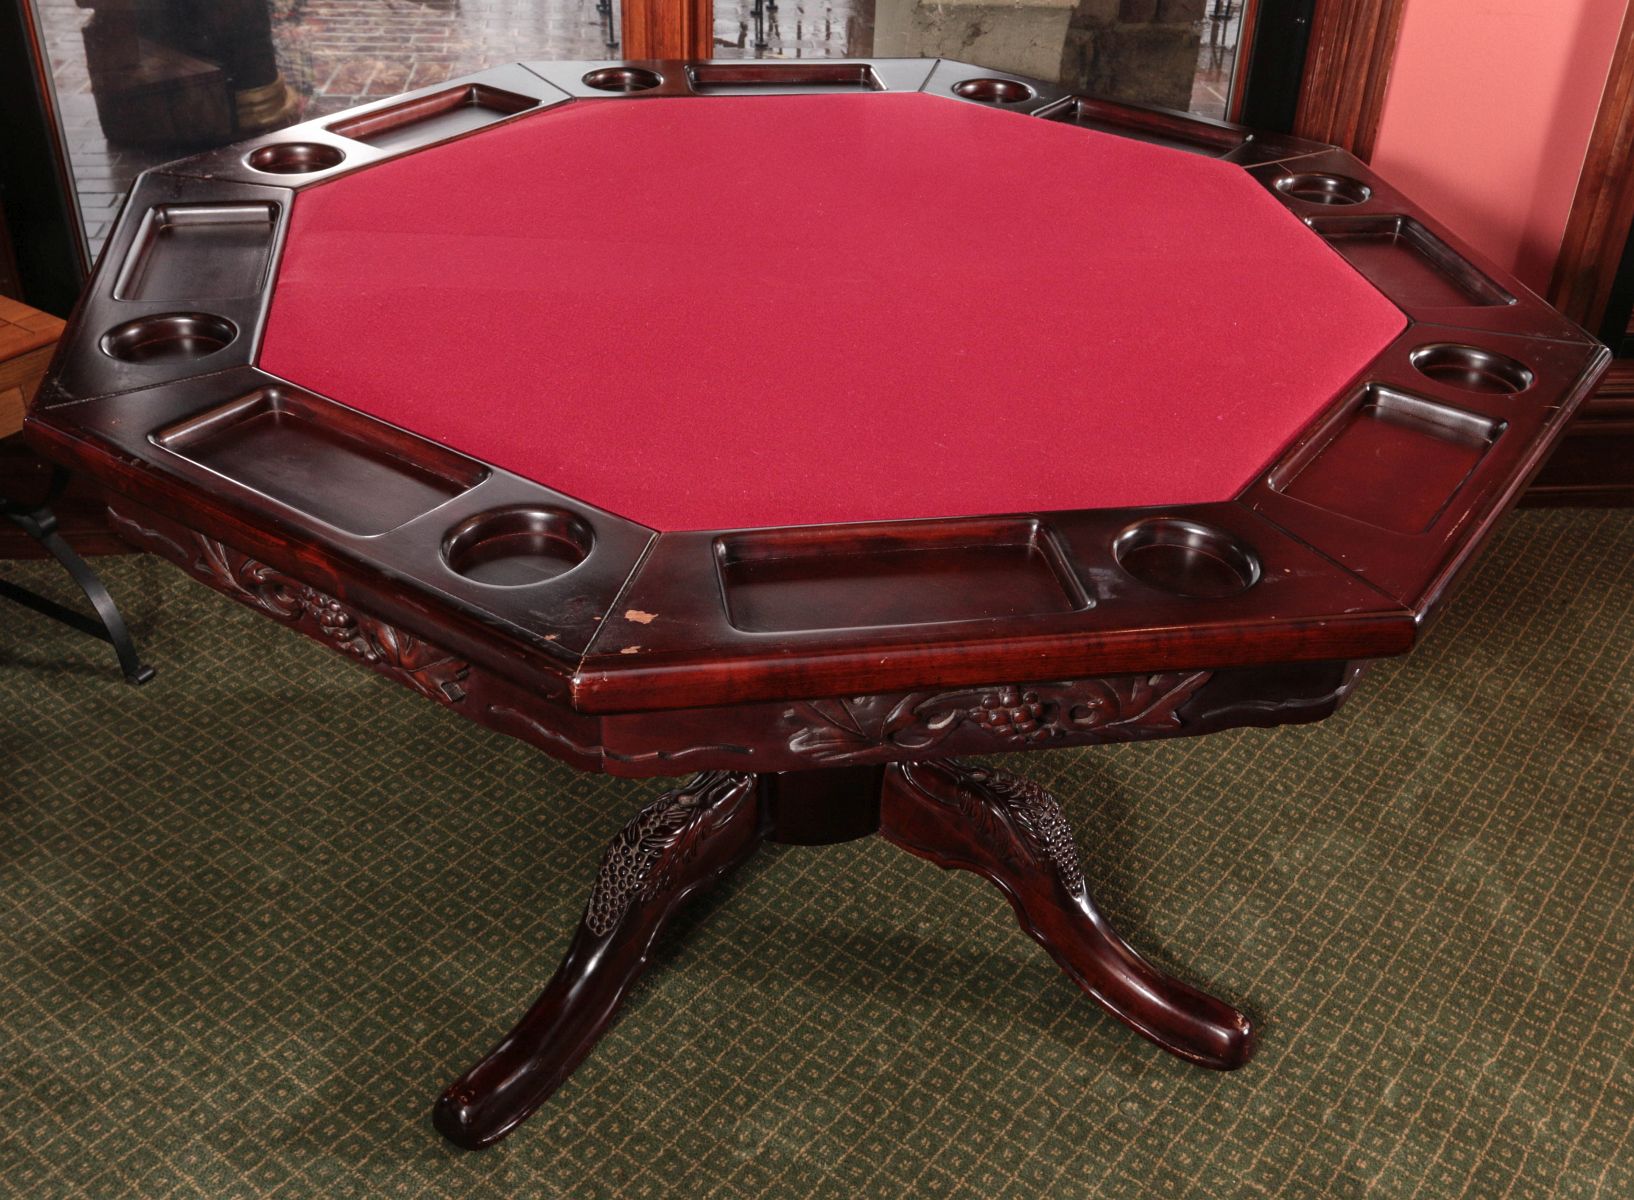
(26, 340)
(1594, 285)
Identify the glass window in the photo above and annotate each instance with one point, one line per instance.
(1179, 54)
(141, 82)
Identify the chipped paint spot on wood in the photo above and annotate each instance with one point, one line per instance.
(639, 617)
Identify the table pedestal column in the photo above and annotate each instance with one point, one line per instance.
(1004, 828)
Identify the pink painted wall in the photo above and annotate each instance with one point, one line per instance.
(1488, 114)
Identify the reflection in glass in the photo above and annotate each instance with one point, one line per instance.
(1178, 54)
(141, 82)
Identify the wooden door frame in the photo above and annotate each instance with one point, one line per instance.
(35, 186)
(1603, 208)
(667, 28)
(11, 283)
(1347, 71)
(1595, 464)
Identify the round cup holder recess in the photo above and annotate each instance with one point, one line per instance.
(171, 337)
(295, 158)
(1186, 558)
(1325, 189)
(511, 547)
(1472, 369)
(993, 91)
(622, 79)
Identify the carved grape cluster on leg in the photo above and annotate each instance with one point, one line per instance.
(649, 854)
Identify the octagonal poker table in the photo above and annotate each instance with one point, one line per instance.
(801, 428)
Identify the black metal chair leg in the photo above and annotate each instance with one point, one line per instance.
(41, 525)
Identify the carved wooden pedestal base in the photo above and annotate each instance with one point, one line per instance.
(1004, 828)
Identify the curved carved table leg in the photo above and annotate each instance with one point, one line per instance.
(1012, 833)
(681, 843)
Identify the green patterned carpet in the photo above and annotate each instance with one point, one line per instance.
(253, 916)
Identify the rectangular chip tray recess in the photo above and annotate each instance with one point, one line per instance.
(434, 117)
(744, 79)
(1391, 459)
(1143, 125)
(319, 458)
(1408, 263)
(863, 576)
(185, 252)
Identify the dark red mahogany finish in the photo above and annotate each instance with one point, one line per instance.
(821, 681)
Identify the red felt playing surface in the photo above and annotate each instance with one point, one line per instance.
(734, 312)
